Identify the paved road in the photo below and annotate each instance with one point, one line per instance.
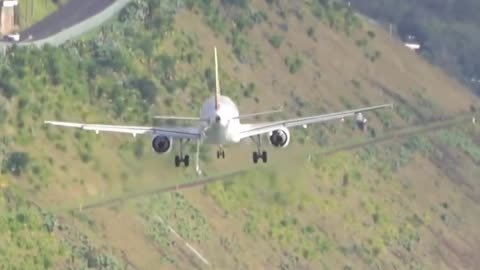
(70, 14)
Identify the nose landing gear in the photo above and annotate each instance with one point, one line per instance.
(220, 153)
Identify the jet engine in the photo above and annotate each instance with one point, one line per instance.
(279, 137)
(162, 144)
(361, 121)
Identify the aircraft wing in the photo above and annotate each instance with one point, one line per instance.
(173, 132)
(249, 130)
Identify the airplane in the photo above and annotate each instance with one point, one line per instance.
(219, 124)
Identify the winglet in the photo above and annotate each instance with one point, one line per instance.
(217, 83)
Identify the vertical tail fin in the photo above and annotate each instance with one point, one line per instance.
(217, 83)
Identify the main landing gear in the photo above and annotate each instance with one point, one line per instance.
(185, 159)
(259, 154)
(182, 158)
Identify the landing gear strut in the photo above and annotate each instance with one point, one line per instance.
(197, 159)
(220, 153)
(182, 158)
(259, 154)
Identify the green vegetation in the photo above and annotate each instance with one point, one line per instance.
(32, 11)
(311, 32)
(459, 139)
(177, 212)
(439, 27)
(336, 14)
(368, 52)
(276, 41)
(32, 240)
(15, 163)
(281, 209)
(294, 63)
(27, 242)
(271, 211)
(304, 209)
(234, 24)
(174, 211)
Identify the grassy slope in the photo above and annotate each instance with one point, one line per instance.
(33, 11)
(272, 215)
(339, 61)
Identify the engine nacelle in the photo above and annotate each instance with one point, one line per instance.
(162, 144)
(361, 121)
(279, 137)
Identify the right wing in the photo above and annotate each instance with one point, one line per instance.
(249, 130)
(172, 132)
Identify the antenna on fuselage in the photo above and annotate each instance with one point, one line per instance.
(217, 83)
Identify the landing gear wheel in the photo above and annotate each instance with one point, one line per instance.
(177, 161)
(186, 160)
(182, 158)
(220, 154)
(258, 154)
(255, 157)
(264, 156)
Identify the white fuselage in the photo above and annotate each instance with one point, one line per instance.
(221, 125)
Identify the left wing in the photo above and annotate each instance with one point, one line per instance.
(249, 130)
(173, 132)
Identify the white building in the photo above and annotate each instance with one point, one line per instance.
(7, 16)
(411, 43)
(10, 3)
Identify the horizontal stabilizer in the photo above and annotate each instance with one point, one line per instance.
(178, 118)
(258, 114)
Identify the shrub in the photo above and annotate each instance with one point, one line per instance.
(146, 88)
(311, 32)
(294, 63)
(240, 45)
(8, 89)
(371, 34)
(276, 41)
(16, 162)
(361, 43)
(356, 84)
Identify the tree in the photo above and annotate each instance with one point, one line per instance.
(16, 162)
(147, 89)
(165, 66)
(447, 30)
(239, 3)
(276, 41)
(8, 89)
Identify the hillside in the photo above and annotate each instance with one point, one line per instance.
(407, 204)
(448, 31)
